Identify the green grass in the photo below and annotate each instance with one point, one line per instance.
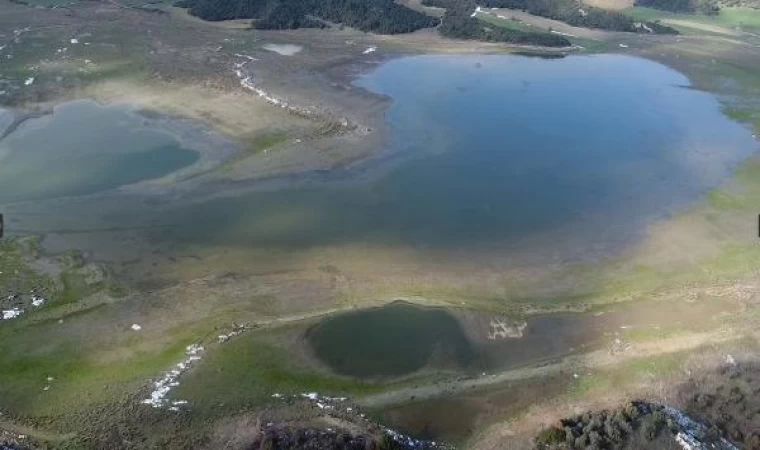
(29, 356)
(257, 144)
(262, 142)
(747, 116)
(628, 373)
(745, 19)
(36, 346)
(509, 24)
(653, 334)
(248, 370)
(78, 382)
(744, 197)
(589, 45)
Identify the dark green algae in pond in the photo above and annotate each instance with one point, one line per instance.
(392, 340)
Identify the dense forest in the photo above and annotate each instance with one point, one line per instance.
(458, 23)
(388, 17)
(378, 16)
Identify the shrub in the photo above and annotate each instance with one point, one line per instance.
(551, 437)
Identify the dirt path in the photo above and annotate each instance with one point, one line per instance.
(594, 360)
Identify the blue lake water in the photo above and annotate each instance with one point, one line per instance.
(493, 150)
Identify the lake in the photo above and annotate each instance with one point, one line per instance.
(84, 148)
(502, 151)
(491, 160)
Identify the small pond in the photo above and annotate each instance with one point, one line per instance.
(393, 340)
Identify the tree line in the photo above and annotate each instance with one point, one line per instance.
(388, 17)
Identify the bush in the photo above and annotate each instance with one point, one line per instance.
(551, 437)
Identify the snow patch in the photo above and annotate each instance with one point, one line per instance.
(9, 314)
(37, 301)
(283, 49)
(249, 58)
(170, 380)
(693, 435)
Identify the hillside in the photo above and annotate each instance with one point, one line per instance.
(378, 16)
(588, 17)
(697, 6)
(459, 23)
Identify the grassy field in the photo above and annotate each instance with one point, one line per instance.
(508, 23)
(589, 45)
(743, 19)
(44, 342)
(246, 372)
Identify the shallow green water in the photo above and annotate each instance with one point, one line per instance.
(392, 340)
(83, 148)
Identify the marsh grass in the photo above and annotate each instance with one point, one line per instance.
(248, 370)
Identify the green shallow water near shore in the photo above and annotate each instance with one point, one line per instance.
(83, 148)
